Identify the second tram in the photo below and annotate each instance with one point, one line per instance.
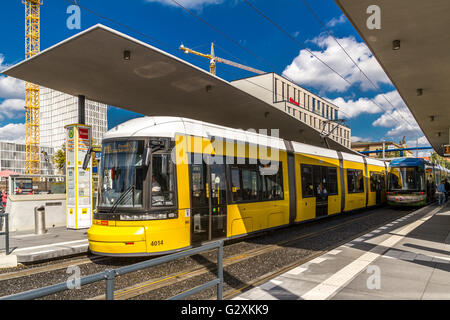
(413, 181)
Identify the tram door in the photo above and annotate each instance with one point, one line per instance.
(208, 202)
(320, 191)
(377, 184)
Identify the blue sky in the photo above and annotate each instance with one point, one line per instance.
(250, 39)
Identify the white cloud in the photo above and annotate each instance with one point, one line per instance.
(400, 120)
(11, 88)
(335, 21)
(378, 104)
(12, 108)
(14, 132)
(394, 114)
(190, 4)
(358, 139)
(306, 69)
(2, 66)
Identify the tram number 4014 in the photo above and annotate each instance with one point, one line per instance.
(157, 243)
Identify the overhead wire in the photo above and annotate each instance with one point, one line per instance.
(316, 16)
(198, 58)
(318, 58)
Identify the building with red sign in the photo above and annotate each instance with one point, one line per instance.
(301, 104)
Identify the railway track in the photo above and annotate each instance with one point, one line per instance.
(132, 287)
(158, 283)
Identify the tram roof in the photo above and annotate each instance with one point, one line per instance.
(408, 162)
(154, 83)
(171, 126)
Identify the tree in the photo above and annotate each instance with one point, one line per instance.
(59, 159)
(440, 160)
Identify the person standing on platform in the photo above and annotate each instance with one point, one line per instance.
(447, 189)
(4, 198)
(441, 193)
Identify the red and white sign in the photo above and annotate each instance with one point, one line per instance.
(294, 102)
(83, 133)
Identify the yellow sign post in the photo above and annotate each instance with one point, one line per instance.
(78, 180)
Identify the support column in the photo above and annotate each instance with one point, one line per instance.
(81, 109)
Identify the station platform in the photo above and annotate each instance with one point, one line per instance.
(406, 259)
(25, 246)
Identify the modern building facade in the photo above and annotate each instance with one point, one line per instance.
(13, 158)
(59, 109)
(303, 105)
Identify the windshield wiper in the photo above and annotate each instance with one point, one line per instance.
(122, 196)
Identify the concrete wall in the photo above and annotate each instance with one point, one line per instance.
(21, 210)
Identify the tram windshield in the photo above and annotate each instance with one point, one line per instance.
(122, 174)
(406, 178)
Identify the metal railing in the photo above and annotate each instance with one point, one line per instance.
(110, 274)
(6, 232)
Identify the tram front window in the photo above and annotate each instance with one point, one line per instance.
(122, 174)
(163, 186)
(405, 178)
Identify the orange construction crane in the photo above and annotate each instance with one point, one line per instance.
(213, 59)
(32, 91)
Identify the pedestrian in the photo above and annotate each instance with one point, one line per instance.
(441, 193)
(447, 189)
(4, 198)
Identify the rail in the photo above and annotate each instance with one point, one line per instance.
(110, 274)
(6, 232)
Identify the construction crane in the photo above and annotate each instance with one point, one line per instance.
(32, 91)
(213, 59)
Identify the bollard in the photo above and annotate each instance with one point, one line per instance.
(39, 220)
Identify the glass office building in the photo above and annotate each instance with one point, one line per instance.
(13, 158)
(59, 109)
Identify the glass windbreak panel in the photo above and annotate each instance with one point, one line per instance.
(405, 178)
(122, 174)
(163, 183)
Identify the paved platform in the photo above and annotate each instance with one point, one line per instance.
(406, 259)
(57, 242)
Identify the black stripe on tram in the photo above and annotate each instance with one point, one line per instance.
(291, 179)
(367, 180)
(341, 170)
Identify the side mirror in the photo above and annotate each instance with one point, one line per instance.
(147, 156)
(87, 158)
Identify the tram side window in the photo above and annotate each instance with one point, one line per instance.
(355, 181)
(252, 182)
(198, 190)
(307, 180)
(332, 181)
(318, 180)
(271, 181)
(377, 182)
(163, 185)
(236, 185)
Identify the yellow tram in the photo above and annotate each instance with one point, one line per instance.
(168, 183)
